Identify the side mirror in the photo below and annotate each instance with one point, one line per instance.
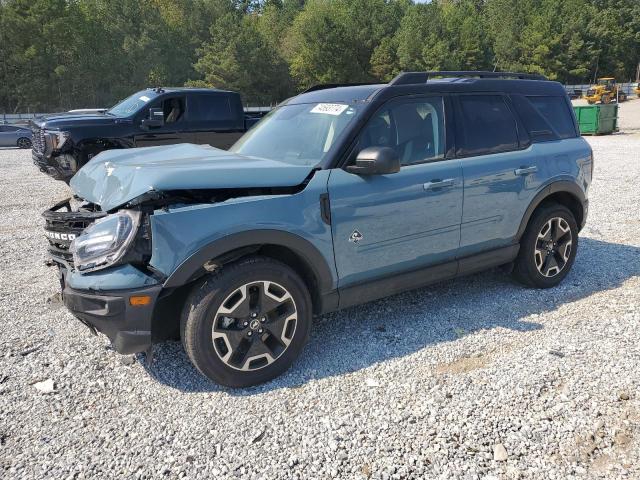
(376, 161)
(155, 120)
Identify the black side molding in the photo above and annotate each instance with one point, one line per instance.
(383, 287)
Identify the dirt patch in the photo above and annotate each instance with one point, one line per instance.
(464, 364)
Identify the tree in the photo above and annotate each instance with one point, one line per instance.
(334, 41)
(61, 54)
(239, 57)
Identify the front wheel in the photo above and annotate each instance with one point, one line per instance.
(247, 323)
(547, 248)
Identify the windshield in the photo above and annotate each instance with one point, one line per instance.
(132, 104)
(299, 134)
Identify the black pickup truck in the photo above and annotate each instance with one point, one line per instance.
(63, 143)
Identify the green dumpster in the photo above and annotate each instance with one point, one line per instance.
(597, 119)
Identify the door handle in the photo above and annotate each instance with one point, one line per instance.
(433, 184)
(525, 170)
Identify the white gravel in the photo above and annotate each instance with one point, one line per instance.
(477, 378)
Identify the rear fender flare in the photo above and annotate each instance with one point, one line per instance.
(555, 187)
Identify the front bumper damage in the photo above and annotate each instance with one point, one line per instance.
(111, 313)
(100, 300)
(61, 167)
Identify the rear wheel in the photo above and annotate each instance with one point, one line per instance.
(24, 142)
(247, 323)
(548, 247)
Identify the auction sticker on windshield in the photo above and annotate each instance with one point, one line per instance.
(329, 108)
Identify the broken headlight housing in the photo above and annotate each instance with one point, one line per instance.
(106, 241)
(57, 138)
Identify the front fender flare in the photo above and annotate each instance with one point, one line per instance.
(300, 246)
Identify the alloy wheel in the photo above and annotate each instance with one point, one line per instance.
(254, 325)
(553, 247)
(24, 143)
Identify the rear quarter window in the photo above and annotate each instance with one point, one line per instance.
(556, 112)
(209, 108)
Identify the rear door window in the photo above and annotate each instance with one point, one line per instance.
(486, 125)
(555, 111)
(204, 108)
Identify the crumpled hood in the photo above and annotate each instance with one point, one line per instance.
(115, 177)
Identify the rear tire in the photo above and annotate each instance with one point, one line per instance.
(247, 323)
(24, 143)
(547, 248)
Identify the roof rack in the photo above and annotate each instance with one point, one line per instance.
(324, 86)
(409, 78)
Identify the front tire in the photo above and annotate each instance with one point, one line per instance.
(247, 323)
(547, 248)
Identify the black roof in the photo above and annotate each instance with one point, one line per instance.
(508, 82)
(345, 94)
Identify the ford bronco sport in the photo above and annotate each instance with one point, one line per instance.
(340, 196)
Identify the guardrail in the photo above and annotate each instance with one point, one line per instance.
(23, 118)
(624, 87)
(18, 118)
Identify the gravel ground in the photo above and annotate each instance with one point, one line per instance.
(473, 378)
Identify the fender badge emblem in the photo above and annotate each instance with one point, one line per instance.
(355, 237)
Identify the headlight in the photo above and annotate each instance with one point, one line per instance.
(106, 241)
(58, 138)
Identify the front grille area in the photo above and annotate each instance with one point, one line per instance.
(38, 143)
(591, 92)
(63, 223)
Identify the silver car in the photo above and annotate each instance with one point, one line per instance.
(15, 136)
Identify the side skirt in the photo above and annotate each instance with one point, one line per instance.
(373, 290)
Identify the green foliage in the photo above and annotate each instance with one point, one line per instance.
(240, 55)
(61, 54)
(333, 41)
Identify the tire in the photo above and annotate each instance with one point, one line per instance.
(247, 323)
(534, 265)
(24, 143)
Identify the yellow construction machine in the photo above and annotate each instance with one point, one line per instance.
(605, 91)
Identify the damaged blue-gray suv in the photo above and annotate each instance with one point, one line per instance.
(342, 195)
